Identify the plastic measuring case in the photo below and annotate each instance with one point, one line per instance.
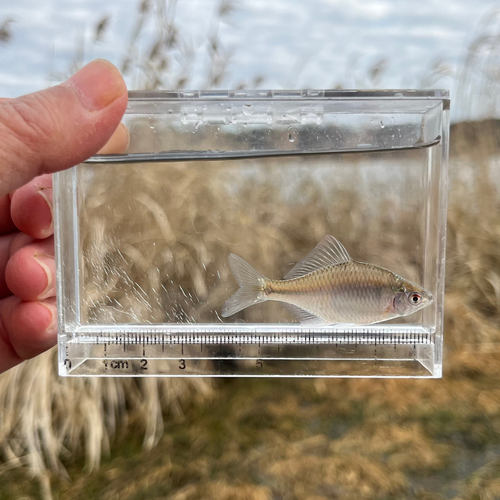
(143, 239)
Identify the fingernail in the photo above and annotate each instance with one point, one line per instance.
(99, 83)
(117, 143)
(46, 263)
(125, 134)
(52, 328)
(46, 194)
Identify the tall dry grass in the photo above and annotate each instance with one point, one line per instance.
(6, 31)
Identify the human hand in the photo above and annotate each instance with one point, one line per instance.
(42, 133)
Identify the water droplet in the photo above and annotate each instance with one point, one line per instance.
(247, 109)
(382, 124)
(291, 134)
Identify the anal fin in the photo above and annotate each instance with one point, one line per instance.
(305, 317)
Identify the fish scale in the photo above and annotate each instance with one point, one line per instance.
(329, 287)
(350, 292)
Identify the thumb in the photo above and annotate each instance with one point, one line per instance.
(59, 127)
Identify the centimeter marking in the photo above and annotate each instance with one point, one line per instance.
(156, 353)
(163, 339)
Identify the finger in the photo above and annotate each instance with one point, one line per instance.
(31, 207)
(6, 224)
(118, 142)
(20, 240)
(59, 127)
(27, 329)
(9, 244)
(30, 272)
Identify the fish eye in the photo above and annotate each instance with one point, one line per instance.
(415, 298)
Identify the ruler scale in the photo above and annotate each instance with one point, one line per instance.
(381, 353)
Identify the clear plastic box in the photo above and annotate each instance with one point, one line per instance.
(143, 239)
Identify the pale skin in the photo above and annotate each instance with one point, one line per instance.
(40, 134)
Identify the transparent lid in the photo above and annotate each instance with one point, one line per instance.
(180, 125)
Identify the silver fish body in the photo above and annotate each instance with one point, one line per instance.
(329, 287)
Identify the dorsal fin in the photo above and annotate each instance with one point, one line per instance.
(328, 252)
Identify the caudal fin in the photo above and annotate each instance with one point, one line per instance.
(251, 283)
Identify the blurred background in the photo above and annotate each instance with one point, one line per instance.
(243, 43)
(292, 439)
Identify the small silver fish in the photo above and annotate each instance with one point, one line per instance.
(329, 287)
